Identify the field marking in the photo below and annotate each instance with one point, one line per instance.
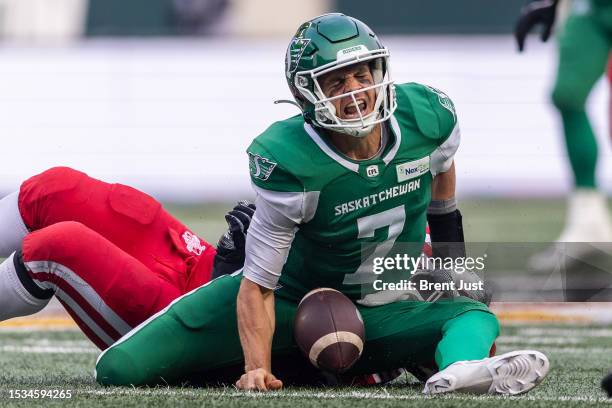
(46, 345)
(554, 331)
(553, 312)
(9, 348)
(573, 350)
(539, 340)
(53, 342)
(539, 316)
(381, 394)
(29, 323)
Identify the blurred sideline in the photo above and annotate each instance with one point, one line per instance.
(174, 117)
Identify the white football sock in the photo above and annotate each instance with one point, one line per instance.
(588, 222)
(12, 227)
(587, 219)
(15, 300)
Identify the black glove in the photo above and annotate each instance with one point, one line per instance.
(230, 249)
(533, 13)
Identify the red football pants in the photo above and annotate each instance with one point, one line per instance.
(111, 254)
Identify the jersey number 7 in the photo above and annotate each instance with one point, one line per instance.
(367, 226)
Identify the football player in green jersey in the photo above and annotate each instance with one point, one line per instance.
(354, 178)
(585, 41)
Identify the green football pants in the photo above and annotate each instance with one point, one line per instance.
(584, 47)
(198, 333)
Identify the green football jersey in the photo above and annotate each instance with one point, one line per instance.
(352, 210)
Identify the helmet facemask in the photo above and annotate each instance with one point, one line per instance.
(325, 115)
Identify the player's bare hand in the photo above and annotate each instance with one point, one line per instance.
(259, 380)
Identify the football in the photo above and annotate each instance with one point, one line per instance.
(329, 330)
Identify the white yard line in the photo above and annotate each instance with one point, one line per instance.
(43, 342)
(47, 345)
(539, 340)
(10, 348)
(559, 332)
(35, 328)
(580, 350)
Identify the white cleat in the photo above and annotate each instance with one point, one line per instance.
(509, 374)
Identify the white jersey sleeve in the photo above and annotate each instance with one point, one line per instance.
(442, 158)
(272, 230)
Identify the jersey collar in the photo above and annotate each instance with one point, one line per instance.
(343, 161)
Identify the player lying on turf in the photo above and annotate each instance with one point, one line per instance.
(109, 253)
(367, 162)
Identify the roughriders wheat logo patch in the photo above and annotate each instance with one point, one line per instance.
(296, 49)
(445, 101)
(260, 167)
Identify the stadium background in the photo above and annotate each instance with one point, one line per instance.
(133, 92)
(165, 95)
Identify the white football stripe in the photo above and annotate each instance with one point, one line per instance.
(332, 338)
(74, 306)
(83, 288)
(312, 292)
